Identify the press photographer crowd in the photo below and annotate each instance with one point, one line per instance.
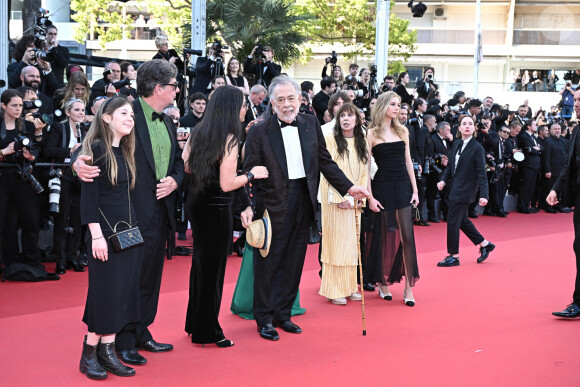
(115, 170)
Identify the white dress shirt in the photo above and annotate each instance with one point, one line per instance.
(465, 142)
(293, 152)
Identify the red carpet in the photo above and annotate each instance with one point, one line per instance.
(473, 325)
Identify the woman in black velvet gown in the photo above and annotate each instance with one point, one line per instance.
(211, 156)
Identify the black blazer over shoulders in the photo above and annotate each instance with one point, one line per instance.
(470, 176)
(146, 183)
(265, 147)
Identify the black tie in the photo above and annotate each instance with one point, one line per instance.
(293, 123)
(158, 116)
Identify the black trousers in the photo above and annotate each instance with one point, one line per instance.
(155, 238)
(457, 219)
(277, 277)
(529, 177)
(421, 188)
(66, 243)
(17, 198)
(576, 295)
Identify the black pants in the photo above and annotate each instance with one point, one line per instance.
(576, 295)
(421, 188)
(529, 177)
(155, 238)
(457, 219)
(431, 192)
(276, 277)
(18, 196)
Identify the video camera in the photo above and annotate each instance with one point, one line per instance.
(217, 47)
(41, 26)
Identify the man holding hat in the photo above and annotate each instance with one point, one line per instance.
(292, 147)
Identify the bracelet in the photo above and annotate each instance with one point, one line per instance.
(98, 238)
(250, 176)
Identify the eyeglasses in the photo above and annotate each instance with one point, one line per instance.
(505, 131)
(175, 85)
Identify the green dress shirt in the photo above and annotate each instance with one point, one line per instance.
(160, 141)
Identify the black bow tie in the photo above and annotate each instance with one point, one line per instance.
(293, 123)
(158, 116)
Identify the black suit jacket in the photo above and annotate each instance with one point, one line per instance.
(436, 146)
(532, 156)
(553, 158)
(56, 143)
(470, 176)
(320, 105)
(265, 147)
(566, 186)
(146, 183)
(205, 70)
(271, 71)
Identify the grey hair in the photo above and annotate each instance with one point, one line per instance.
(152, 73)
(441, 125)
(108, 64)
(282, 80)
(258, 89)
(170, 108)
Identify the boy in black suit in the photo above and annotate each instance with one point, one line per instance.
(466, 157)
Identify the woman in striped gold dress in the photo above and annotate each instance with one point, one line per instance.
(340, 215)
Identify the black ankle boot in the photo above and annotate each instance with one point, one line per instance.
(109, 360)
(89, 363)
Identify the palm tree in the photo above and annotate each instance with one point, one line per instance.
(244, 23)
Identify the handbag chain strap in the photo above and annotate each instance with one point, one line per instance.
(128, 199)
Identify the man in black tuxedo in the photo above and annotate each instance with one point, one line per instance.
(465, 174)
(423, 149)
(553, 161)
(207, 68)
(566, 187)
(292, 147)
(159, 173)
(530, 166)
(264, 69)
(439, 143)
(254, 101)
(501, 153)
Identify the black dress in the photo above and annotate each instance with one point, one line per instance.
(113, 294)
(390, 241)
(211, 225)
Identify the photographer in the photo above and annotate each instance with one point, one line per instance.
(530, 166)
(440, 144)
(366, 86)
(207, 68)
(423, 135)
(305, 105)
(502, 169)
(320, 100)
(107, 86)
(427, 84)
(129, 72)
(336, 70)
(264, 69)
(61, 142)
(567, 101)
(60, 57)
(18, 188)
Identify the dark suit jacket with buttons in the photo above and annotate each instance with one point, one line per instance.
(146, 184)
(265, 147)
(532, 157)
(553, 159)
(470, 173)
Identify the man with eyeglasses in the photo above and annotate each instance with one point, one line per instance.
(104, 86)
(159, 174)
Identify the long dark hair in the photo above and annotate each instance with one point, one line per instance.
(360, 142)
(216, 134)
(6, 97)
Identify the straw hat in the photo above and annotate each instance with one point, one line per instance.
(259, 234)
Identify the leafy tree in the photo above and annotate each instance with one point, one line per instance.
(352, 23)
(101, 17)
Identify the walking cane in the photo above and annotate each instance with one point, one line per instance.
(362, 290)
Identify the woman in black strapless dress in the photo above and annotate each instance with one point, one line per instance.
(390, 243)
(211, 156)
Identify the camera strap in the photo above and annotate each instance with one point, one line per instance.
(3, 130)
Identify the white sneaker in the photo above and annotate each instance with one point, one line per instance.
(339, 301)
(355, 297)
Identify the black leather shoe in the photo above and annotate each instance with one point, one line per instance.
(502, 214)
(484, 252)
(75, 265)
(525, 211)
(84, 260)
(449, 261)
(433, 220)
(566, 210)
(534, 210)
(239, 250)
(550, 210)
(423, 222)
(154, 346)
(268, 332)
(368, 287)
(131, 356)
(288, 326)
(572, 311)
(60, 268)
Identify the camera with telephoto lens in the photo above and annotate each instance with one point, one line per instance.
(217, 47)
(430, 77)
(41, 26)
(45, 118)
(431, 164)
(21, 143)
(117, 85)
(333, 58)
(54, 190)
(191, 51)
(29, 105)
(25, 173)
(417, 170)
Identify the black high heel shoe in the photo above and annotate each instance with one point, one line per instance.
(225, 343)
